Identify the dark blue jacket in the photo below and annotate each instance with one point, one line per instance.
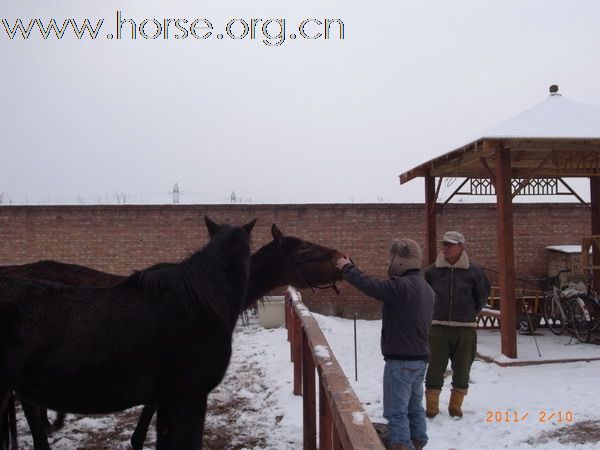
(408, 303)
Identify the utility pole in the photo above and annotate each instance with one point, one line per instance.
(176, 194)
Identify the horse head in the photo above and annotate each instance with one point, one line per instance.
(232, 242)
(306, 264)
(214, 228)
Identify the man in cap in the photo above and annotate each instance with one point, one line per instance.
(461, 289)
(407, 310)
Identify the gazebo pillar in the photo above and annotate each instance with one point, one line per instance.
(595, 207)
(506, 253)
(430, 219)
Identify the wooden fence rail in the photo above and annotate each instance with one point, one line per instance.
(343, 424)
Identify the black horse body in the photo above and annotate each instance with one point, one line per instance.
(286, 260)
(161, 337)
(120, 350)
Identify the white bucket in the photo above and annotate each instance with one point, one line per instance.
(271, 311)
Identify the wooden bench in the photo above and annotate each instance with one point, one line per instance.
(528, 299)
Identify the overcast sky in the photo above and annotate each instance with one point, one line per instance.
(310, 120)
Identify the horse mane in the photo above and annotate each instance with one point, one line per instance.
(203, 282)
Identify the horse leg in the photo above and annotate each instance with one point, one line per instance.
(34, 418)
(59, 421)
(162, 429)
(12, 422)
(187, 424)
(43, 412)
(8, 422)
(141, 429)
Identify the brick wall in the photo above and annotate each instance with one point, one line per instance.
(120, 238)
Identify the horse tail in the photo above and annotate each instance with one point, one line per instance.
(8, 421)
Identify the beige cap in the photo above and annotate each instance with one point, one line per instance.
(453, 237)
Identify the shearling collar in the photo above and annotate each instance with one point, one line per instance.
(462, 263)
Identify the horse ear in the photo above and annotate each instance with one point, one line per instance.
(248, 227)
(277, 234)
(212, 227)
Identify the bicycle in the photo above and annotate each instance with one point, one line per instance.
(592, 303)
(580, 317)
(566, 310)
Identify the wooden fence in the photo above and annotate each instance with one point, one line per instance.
(343, 424)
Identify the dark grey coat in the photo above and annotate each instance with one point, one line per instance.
(407, 311)
(461, 290)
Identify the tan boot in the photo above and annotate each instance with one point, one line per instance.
(432, 402)
(456, 399)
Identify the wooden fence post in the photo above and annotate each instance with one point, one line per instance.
(308, 396)
(325, 420)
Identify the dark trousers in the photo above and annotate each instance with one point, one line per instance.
(457, 344)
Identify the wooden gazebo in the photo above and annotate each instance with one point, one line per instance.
(528, 154)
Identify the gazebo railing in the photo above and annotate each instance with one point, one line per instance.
(343, 423)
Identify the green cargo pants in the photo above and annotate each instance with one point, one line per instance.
(459, 344)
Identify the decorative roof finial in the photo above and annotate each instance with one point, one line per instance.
(554, 89)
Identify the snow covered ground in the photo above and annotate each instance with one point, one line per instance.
(507, 407)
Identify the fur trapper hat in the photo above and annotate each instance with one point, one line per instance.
(405, 255)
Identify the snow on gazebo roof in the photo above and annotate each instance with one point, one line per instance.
(555, 118)
(558, 137)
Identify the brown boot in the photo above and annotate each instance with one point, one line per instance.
(432, 402)
(456, 399)
(418, 445)
(400, 447)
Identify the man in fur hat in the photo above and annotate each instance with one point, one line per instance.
(407, 311)
(461, 290)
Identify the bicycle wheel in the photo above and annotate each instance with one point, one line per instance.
(552, 315)
(594, 309)
(580, 320)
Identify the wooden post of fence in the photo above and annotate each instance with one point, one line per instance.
(288, 318)
(337, 444)
(325, 421)
(308, 396)
(297, 353)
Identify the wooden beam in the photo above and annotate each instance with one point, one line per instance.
(595, 207)
(464, 159)
(430, 219)
(456, 191)
(552, 144)
(525, 182)
(522, 172)
(572, 191)
(506, 257)
(491, 174)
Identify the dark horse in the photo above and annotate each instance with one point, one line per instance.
(285, 260)
(161, 337)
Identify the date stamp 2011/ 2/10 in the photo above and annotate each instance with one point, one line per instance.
(541, 416)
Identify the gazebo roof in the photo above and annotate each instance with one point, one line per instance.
(556, 138)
